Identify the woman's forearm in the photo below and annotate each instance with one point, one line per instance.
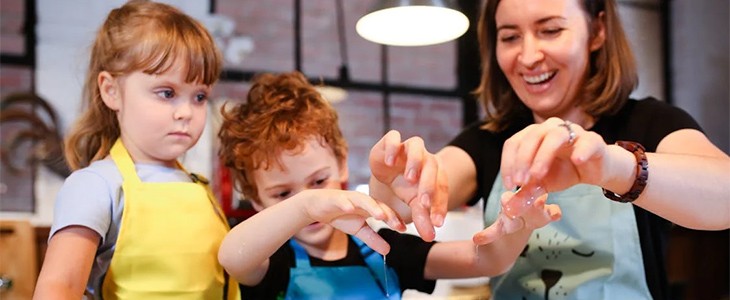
(690, 190)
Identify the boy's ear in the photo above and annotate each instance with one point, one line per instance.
(598, 36)
(344, 174)
(256, 205)
(109, 90)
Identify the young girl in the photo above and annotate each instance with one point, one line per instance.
(287, 154)
(131, 222)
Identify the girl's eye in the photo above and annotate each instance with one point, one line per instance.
(202, 97)
(167, 94)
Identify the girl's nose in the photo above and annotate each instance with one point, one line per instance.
(183, 111)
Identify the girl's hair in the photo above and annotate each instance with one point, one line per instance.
(610, 78)
(281, 113)
(139, 36)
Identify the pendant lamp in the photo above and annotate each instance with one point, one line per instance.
(412, 22)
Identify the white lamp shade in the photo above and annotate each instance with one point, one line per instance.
(415, 23)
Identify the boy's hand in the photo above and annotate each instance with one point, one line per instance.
(347, 211)
(534, 216)
(413, 175)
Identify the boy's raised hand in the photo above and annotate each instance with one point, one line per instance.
(532, 217)
(348, 211)
(406, 170)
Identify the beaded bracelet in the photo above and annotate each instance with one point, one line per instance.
(642, 174)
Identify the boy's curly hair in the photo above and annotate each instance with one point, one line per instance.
(281, 113)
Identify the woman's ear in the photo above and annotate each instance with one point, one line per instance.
(109, 90)
(598, 32)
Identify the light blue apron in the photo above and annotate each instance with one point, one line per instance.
(592, 253)
(345, 282)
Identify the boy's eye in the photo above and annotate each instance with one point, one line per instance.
(319, 182)
(283, 195)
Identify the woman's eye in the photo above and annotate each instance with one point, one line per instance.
(167, 94)
(508, 38)
(552, 31)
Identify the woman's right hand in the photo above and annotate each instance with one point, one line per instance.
(407, 171)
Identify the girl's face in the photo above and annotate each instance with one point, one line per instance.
(160, 116)
(543, 49)
(316, 167)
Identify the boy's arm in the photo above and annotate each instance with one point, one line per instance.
(499, 244)
(67, 264)
(246, 249)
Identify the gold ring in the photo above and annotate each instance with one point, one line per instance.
(571, 133)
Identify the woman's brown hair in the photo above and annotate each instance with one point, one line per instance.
(610, 78)
(281, 113)
(139, 36)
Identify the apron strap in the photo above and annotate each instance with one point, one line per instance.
(374, 262)
(301, 256)
(124, 162)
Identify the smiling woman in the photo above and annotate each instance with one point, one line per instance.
(555, 87)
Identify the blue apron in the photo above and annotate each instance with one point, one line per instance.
(593, 252)
(345, 282)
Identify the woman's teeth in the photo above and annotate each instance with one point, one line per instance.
(539, 78)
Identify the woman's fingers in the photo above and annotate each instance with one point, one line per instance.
(392, 147)
(422, 221)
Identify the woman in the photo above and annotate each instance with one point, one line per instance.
(556, 82)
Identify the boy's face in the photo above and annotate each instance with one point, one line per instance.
(315, 167)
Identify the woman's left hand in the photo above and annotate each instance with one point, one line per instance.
(556, 154)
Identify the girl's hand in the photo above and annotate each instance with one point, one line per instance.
(413, 176)
(533, 216)
(557, 153)
(347, 211)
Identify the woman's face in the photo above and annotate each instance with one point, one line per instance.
(543, 49)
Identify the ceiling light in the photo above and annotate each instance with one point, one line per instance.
(412, 22)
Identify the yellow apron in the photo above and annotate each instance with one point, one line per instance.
(168, 240)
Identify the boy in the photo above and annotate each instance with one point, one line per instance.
(284, 143)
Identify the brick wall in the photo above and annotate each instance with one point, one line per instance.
(270, 24)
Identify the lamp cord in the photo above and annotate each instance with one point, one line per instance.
(344, 73)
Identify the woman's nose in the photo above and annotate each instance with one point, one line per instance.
(531, 53)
